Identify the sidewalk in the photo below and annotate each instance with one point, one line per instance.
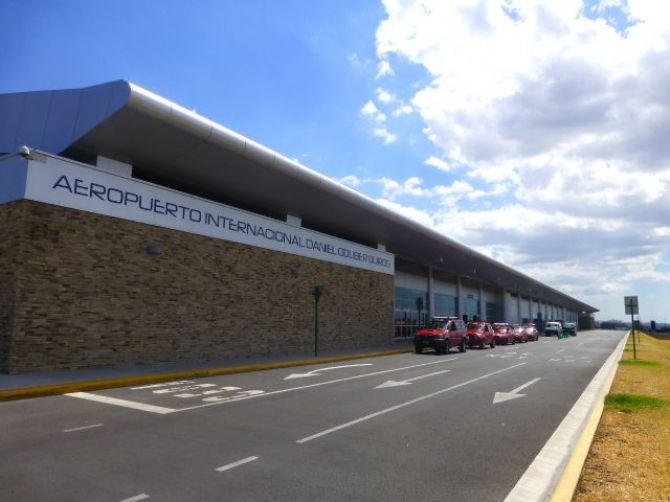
(26, 385)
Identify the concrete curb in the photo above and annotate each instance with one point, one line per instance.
(109, 383)
(555, 472)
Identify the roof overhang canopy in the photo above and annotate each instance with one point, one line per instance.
(168, 143)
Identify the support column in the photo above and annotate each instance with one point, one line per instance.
(482, 304)
(459, 295)
(530, 310)
(518, 307)
(505, 308)
(431, 294)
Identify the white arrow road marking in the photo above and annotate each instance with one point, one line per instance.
(402, 405)
(501, 397)
(398, 383)
(317, 371)
(319, 384)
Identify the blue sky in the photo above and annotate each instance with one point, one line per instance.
(532, 131)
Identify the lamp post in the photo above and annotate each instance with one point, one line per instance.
(317, 291)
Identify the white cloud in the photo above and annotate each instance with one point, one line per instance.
(403, 110)
(384, 69)
(561, 117)
(410, 212)
(351, 181)
(439, 163)
(370, 109)
(385, 134)
(384, 96)
(378, 118)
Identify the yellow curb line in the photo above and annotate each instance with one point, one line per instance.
(565, 489)
(109, 383)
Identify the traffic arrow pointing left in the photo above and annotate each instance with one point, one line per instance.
(317, 372)
(501, 397)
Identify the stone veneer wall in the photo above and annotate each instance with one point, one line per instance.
(91, 296)
(10, 238)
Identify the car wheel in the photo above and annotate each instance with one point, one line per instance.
(462, 346)
(418, 349)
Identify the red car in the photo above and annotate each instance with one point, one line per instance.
(519, 333)
(442, 334)
(531, 331)
(503, 333)
(480, 333)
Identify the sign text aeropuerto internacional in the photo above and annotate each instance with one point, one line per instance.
(72, 185)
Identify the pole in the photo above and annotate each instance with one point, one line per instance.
(632, 327)
(316, 325)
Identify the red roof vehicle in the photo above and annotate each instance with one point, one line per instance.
(503, 333)
(519, 333)
(480, 334)
(442, 334)
(531, 331)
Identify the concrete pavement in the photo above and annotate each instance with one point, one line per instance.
(331, 431)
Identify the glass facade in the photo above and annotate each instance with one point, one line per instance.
(471, 306)
(411, 310)
(445, 305)
(494, 312)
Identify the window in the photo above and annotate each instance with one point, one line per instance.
(411, 311)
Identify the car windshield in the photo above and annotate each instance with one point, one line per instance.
(439, 324)
(476, 325)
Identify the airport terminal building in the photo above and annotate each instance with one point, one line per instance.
(135, 231)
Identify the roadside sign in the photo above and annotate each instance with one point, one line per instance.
(631, 305)
(632, 310)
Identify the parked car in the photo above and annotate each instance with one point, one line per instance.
(442, 334)
(519, 333)
(502, 332)
(570, 327)
(480, 334)
(531, 331)
(553, 328)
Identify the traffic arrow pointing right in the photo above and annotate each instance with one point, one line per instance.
(501, 397)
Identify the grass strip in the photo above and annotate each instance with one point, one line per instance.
(632, 402)
(638, 362)
(628, 459)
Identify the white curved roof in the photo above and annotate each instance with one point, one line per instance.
(171, 145)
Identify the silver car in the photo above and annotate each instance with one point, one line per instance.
(553, 328)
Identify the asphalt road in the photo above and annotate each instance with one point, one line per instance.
(434, 433)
